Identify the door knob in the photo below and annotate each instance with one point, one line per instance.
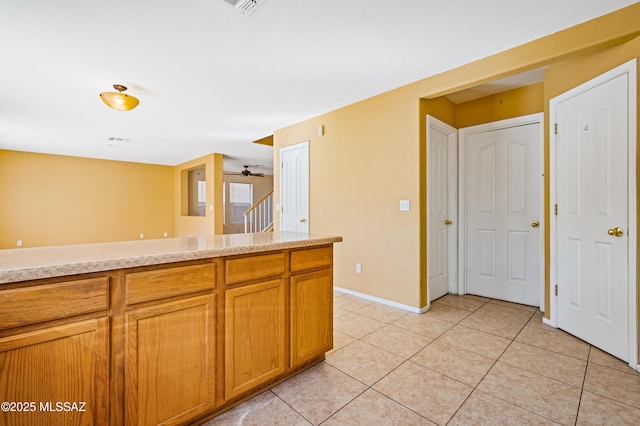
(535, 224)
(303, 220)
(448, 222)
(616, 232)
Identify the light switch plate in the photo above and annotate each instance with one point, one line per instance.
(405, 205)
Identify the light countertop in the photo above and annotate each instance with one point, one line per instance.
(47, 262)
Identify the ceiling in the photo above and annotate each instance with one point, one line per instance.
(211, 79)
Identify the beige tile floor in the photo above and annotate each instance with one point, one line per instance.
(468, 361)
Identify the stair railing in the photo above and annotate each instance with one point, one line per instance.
(259, 217)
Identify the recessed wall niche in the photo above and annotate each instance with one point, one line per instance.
(194, 190)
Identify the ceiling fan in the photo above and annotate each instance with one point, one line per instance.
(247, 172)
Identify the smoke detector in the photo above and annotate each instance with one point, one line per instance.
(246, 7)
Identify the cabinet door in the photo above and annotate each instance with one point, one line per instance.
(311, 315)
(255, 335)
(61, 374)
(170, 361)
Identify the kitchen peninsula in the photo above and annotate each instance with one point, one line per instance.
(167, 331)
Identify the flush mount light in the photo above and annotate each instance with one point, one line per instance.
(118, 100)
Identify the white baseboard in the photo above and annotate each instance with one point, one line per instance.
(382, 301)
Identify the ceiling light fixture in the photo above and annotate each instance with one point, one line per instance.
(118, 100)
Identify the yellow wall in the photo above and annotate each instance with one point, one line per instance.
(366, 162)
(53, 200)
(199, 225)
(513, 103)
(372, 156)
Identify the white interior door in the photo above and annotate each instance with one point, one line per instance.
(502, 171)
(442, 171)
(593, 224)
(294, 188)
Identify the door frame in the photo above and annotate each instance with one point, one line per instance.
(628, 68)
(462, 192)
(303, 145)
(452, 167)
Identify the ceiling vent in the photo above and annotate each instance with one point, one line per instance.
(115, 139)
(246, 7)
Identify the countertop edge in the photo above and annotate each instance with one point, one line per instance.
(8, 276)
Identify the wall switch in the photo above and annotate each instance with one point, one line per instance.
(19, 243)
(320, 130)
(358, 268)
(405, 205)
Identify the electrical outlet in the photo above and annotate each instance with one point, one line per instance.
(166, 234)
(19, 243)
(141, 236)
(405, 205)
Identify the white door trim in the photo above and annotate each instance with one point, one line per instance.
(299, 145)
(630, 69)
(452, 133)
(462, 208)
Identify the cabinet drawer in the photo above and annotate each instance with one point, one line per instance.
(243, 269)
(311, 258)
(168, 282)
(32, 305)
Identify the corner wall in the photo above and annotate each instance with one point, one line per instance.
(359, 171)
(199, 225)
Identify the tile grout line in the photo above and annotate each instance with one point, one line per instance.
(511, 342)
(407, 359)
(491, 368)
(584, 379)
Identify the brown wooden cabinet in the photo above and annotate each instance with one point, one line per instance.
(311, 304)
(170, 361)
(311, 315)
(278, 315)
(55, 369)
(170, 345)
(254, 335)
(162, 344)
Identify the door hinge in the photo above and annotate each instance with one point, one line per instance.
(556, 209)
(555, 128)
(556, 289)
